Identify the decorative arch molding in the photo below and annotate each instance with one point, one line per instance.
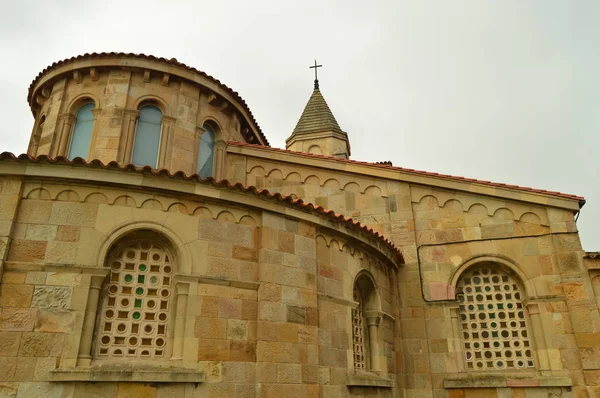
(82, 99)
(153, 100)
(504, 262)
(214, 123)
(428, 199)
(374, 301)
(178, 245)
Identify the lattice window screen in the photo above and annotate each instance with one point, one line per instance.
(358, 333)
(136, 306)
(493, 321)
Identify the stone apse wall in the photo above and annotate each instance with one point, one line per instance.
(444, 233)
(224, 286)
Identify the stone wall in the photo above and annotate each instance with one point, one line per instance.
(442, 233)
(251, 308)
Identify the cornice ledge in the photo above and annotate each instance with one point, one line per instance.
(498, 380)
(131, 374)
(369, 380)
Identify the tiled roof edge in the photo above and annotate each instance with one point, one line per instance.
(297, 203)
(172, 61)
(413, 171)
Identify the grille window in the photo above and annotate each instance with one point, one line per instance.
(493, 321)
(136, 305)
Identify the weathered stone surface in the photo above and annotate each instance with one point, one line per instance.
(15, 295)
(9, 343)
(54, 321)
(52, 297)
(35, 344)
(17, 319)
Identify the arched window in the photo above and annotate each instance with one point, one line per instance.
(136, 302)
(366, 317)
(206, 152)
(82, 132)
(147, 137)
(493, 321)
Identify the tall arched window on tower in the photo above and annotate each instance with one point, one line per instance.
(206, 152)
(147, 137)
(493, 320)
(136, 304)
(82, 132)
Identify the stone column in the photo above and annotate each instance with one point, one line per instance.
(127, 135)
(538, 334)
(60, 143)
(373, 321)
(166, 140)
(84, 358)
(182, 291)
(456, 345)
(220, 149)
(96, 112)
(596, 288)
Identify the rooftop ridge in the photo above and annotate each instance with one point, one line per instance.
(414, 171)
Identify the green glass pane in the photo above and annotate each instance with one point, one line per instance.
(500, 306)
(493, 323)
(128, 278)
(480, 307)
(139, 291)
(138, 303)
(494, 334)
(136, 315)
(153, 280)
(141, 278)
(143, 267)
(509, 305)
(492, 316)
(487, 288)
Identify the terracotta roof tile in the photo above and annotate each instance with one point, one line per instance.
(171, 61)
(413, 171)
(263, 193)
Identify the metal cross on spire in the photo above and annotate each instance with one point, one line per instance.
(316, 78)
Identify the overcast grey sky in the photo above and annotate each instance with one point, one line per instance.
(504, 90)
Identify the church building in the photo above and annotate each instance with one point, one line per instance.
(153, 244)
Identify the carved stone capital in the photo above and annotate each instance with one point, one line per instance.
(67, 117)
(373, 317)
(533, 308)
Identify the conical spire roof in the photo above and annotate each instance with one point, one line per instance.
(316, 116)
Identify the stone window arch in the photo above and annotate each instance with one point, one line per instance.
(493, 320)
(135, 307)
(366, 318)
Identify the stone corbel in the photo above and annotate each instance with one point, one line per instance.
(165, 79)
(77, 77)
(211, 98)
(93, 74)
(45, 92)
(39, 100)
(146, 76)
(224, 105)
